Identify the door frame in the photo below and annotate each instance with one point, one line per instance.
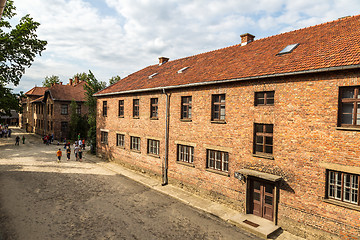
(248, 205)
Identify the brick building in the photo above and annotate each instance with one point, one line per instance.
(270, 126)
(47, 110)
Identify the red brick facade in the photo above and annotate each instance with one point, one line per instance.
(308, 143)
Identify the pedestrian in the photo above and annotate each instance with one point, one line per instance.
(23, 138)
(9, 132)
(83, 144)
(17, 140)
(59, 154)
(76, 151)
(80, 143)
(68, 152)
(80, 154)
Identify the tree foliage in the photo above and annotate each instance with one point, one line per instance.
(78, 123)
(18, 45)
(82, 76)
(114, 79)
(92, 86)
(48, 81)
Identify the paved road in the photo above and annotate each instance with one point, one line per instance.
(43, 199)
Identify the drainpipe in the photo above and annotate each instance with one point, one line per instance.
(2, 6)
(166, 160)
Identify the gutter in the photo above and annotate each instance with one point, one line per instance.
(320, 70)
(167, 125)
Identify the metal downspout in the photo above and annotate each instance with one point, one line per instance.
(165, 162)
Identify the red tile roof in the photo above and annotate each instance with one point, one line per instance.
(67, 92)
(325, 46)
(37, 91)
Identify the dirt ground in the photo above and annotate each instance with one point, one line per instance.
(43, 199)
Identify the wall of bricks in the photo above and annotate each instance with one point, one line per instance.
(306, 143)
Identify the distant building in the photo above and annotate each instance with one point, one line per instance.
(47, 110)
(12, 120)
(270, 126)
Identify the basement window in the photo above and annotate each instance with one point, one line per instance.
(182, 70)
(152, 75)
(288, 49)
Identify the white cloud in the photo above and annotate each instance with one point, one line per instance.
(118, 37)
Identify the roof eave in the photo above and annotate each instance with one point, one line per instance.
(348, 67)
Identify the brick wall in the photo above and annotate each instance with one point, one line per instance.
(306, 143)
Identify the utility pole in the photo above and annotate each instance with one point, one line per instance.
(2, 6)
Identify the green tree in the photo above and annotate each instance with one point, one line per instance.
(82, 76)
(18, 47)
(92, 86)
(50, 80)
(114, 79)
(78, 123)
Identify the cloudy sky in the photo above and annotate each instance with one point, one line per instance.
(118, 37)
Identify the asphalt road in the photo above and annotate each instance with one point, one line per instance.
(43, 199)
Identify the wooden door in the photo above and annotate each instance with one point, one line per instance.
(262, 199)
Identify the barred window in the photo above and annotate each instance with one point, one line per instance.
(264, 98)
(217, 160)
(154, 108)
(136, 108)
(64, 109)
(78, 109)
(349, 109)
(104, 137)
(121, 108)
(135, 143)
(186, 105)
(343, 187)
(120, 140)
(153, 146)
(105, 108)
(263, 139)
(185, 153)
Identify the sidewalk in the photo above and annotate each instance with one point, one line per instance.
(265, 228)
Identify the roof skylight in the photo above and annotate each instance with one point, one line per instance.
(182, 70)
(288, 48)
(152, 75)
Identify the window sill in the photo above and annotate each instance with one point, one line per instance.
(154, 118)
(348, 129)
(153, 155)
(121, 116)
(185, 120)
(136, 117)
(122, 147)
(342, 204)
(264, 105)
(218, 121)
(263, 156)
(105, 143)
(218, 172)
(135, 151)
(185, 164)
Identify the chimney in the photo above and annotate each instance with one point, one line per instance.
(246, 38)
(70, 81)
(76, 80)
(60, 83)
(163, 60)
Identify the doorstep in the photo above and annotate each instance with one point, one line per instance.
(261, 227)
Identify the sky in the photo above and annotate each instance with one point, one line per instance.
(119, 37)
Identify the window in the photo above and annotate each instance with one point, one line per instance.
(350, 107)
(52, 125)
(186, 107)
(64, 127)
(120, 140)
(217, 160)
(121, 108)
(105, 108)
(104, 137)
(288, 49)
(48, 109)
(264, 98)
(64, 109)
(51, 110)
(153, 146)
(263, 139)
(135, 143)
(154, 108)
(218, 107)
(78, 109)
(343, 187)
(185, 153)
(136, 106)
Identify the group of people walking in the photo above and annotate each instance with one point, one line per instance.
(79, 146)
